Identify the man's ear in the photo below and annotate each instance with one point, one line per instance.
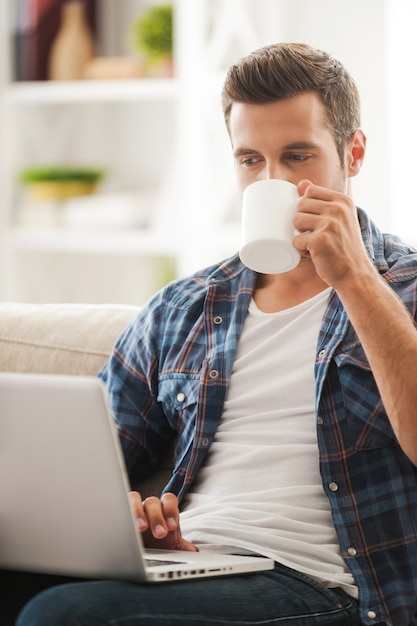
(355, 153)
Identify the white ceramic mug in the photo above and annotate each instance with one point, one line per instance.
(267, 230)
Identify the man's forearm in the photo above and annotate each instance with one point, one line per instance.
(389, 337)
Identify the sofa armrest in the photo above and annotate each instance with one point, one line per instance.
(59, 338)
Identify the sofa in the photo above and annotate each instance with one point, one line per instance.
(73, 339)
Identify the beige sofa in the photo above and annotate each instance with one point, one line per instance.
(73, 339)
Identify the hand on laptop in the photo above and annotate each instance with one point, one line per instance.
(158, 520)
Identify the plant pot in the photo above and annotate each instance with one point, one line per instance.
(60, 190)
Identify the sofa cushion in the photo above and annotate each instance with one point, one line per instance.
(59, 338)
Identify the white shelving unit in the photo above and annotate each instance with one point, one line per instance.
(86, 91)
(155, 136)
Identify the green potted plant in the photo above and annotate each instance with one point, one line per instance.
(60, 182)
(152, 36)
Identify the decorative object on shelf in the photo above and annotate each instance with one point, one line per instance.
(114, 68)
(60, 183)
(73, 46)
(35, 26)
(152, 36)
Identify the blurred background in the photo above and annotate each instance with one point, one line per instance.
(116, 172)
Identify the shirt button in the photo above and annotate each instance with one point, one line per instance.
(320, 420)
(218, 319)
(371, 614)
(180, 397)
(352, 551)
(214, 374)
(333, 487)
(205, 442)
(322, 353)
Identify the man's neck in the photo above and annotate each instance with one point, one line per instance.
(277, 292)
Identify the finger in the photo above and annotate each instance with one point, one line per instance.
(302, 186)
(306, 222)
(155, 517)
(170, 509)
(309, 207)
(316, 192)
(172, 515)
(187, 546)
(141, 520)
(301, 243)
(319, 199)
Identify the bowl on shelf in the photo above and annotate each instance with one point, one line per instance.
(60, 183)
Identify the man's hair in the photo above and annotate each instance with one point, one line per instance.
(284, 70)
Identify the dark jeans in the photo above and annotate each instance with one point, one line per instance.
(281, 597)
(17, 588)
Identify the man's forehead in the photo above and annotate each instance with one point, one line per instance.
(295, 120)
(308, 103)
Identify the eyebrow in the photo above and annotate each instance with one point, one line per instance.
(300, 145)
(244, 151)
(297, 145)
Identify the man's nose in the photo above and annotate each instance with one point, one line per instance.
(275, 170)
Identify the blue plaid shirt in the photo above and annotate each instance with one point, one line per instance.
(168, 376)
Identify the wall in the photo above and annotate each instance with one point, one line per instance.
(354, 31)
(399, 151)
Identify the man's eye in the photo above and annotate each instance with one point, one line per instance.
(250, 161)
(297, 157)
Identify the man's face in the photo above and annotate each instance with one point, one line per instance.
(286, 139)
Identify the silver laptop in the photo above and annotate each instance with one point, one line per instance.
(64, 504)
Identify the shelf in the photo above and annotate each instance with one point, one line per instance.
(149, 134)
(110, 242)
(62, 92)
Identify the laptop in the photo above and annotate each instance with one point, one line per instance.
(64, 504)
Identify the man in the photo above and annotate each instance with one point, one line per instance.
(292, 396)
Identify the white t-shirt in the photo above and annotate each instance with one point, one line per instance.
(260, 489)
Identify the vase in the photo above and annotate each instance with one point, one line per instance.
(73, 46)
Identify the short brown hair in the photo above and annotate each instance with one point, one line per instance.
(283, 70)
